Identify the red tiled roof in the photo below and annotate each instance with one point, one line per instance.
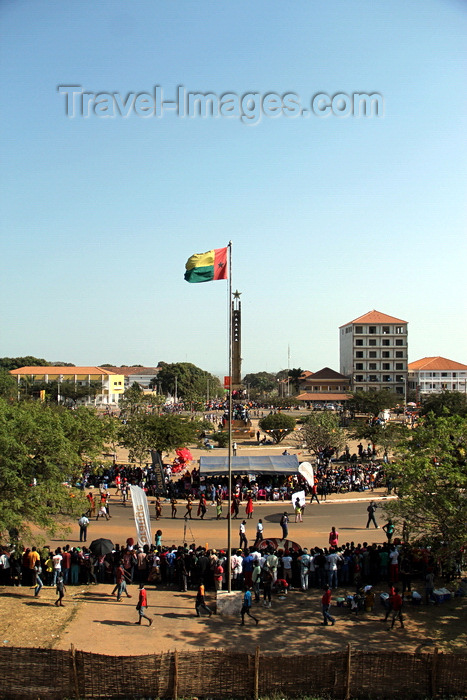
(435, 363)
(327, 373)
(375, 317)
(129, 371)
(62, 370)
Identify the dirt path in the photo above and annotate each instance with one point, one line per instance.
(292, 625)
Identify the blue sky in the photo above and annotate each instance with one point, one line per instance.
(329, 218)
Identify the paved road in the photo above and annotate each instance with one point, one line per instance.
(346, 512)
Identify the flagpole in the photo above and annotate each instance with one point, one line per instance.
(229, 513)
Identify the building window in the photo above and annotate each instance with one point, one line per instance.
(372, 330)
(399, 378)
(359, 378)
(399, 353)
(386, 365)
(359, 365)
(399, 330)
(399, 365)
(359, 353)
(372, 365)
(386, 377)
(358, 329)
(386, 341)
(385, 330)
(372, 341)
(454, 375)
(372, 353)
(386, 353)
(399, 341)
(444, 374)
(359, 341)
(372, 378)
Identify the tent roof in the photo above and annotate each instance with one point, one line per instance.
(279, 464)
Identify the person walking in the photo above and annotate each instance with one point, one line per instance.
(389, 530)
(102, 513)
(314, 494)
(189, 508)
(246, 607)
(158, 508)
(234, 449)
(83, 523)
(285, 525)
(60, 591)
(259, 532)
(396, 606)
(371, 515)
(201, 601)
(120, 583)
(249, 507)
(242, 533)
(298, 511)
(39, 583)
(326, 604)
(202, 506)
(142, 605)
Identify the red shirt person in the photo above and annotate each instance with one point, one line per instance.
(142, 605)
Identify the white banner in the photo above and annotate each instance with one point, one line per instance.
(141, 511)
(301, 498)
(306, 470)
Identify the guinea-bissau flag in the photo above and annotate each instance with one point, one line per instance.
(206, 267)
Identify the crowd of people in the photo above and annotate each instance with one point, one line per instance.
(350, 566)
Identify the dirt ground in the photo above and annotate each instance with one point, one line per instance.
(92, 620)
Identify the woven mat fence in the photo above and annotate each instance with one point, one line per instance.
(62, 675)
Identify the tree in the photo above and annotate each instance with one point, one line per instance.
(446, 403)
(388, 436)
(192, 382)
(41, 448)
(372, 402)
(17, 362)
(430, 478)
(74, 392)
(295, 375)
(277, 425)
(8, 388)
(322, 432)
(262, 382)
(134, 400)
(164, 433)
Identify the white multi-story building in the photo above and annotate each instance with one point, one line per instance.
(373, 352)
(431, 375)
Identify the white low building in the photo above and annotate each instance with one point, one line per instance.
(431, 375)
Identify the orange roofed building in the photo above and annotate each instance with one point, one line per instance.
(111, 382)
(374, 352)
(326, 386)
(431, 375)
